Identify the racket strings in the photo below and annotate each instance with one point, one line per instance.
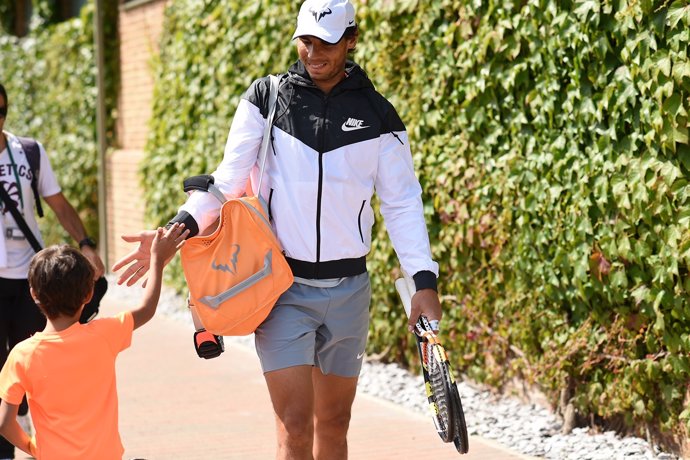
(439, 379)
(442, 392)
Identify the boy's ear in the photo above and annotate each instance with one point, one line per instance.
(33, 295)
(88, 298)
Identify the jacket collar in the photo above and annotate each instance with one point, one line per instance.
(356, 78)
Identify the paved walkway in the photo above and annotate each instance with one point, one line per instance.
(174, 405)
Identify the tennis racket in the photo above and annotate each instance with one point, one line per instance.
(441, 390)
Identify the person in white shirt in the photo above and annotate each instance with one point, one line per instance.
(19, 316)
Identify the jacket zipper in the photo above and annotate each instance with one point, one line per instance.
(322, 129)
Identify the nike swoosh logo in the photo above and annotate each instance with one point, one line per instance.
(352, 128)
(359, 355)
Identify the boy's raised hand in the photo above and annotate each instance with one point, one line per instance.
(163, 247)
(166, 243)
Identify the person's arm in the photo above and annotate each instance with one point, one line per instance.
(163, 247)
(12, 431)
(401, 206)
(71, 222)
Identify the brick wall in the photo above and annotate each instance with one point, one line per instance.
(140, 25)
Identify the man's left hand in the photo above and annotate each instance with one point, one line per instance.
(424, 302)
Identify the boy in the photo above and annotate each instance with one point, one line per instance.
(68, 370)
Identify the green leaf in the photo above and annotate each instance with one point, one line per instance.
(673, 104)
(624, 248)
(663, 64)
(677, 12)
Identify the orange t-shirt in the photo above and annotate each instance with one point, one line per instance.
(69, 381)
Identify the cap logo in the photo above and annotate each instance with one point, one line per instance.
(318, 15)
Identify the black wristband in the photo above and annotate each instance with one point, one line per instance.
(425, 280)
(183, 217)
(88, 241)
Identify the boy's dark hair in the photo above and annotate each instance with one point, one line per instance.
(62, 280)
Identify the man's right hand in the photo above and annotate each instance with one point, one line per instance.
(137, 261)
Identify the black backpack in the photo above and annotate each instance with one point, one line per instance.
(33, 155)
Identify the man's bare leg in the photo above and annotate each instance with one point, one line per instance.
(292, 395)
(333, 398)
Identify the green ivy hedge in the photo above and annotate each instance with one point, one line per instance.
(551, 139)
(50, 77)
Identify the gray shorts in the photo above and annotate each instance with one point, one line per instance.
(324, 327)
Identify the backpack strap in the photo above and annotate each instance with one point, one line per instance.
(12, 207)
(263, 151)
(33, 155)
(204, 182)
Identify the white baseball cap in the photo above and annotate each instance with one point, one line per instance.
(325, 19)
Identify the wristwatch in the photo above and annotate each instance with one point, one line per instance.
(88, 241)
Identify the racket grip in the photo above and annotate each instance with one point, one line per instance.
(406, 289)
(404, 293)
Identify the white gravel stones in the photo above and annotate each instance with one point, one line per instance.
(525, 428)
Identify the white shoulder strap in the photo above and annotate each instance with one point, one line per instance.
(272, 98)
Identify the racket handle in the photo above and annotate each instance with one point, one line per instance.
(406, 289)
(405, 296)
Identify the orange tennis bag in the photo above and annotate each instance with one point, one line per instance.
(236, 274)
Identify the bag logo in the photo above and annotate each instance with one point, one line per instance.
(353, 124)
(318, 15)
(226, 267)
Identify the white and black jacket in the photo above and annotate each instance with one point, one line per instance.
(328, 155)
